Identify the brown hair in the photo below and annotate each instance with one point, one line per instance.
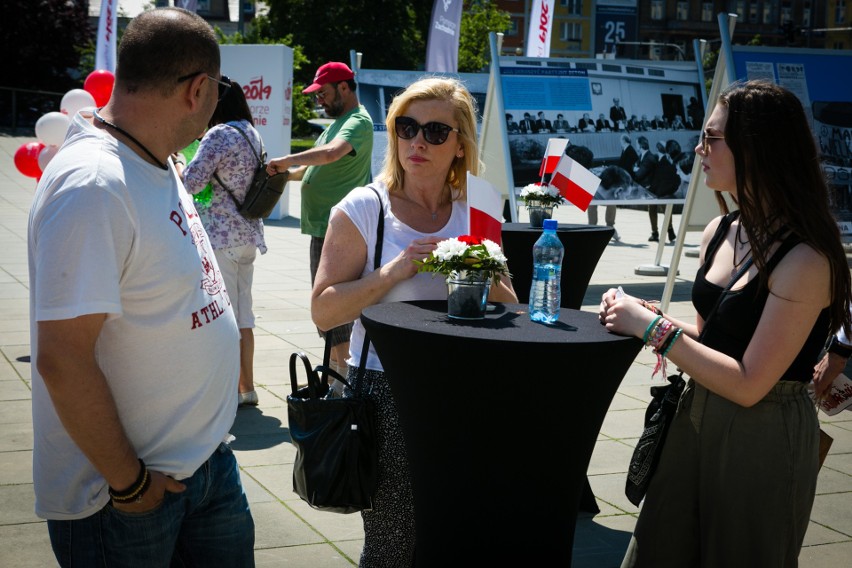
(780, 181)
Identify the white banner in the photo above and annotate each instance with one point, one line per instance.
(107, 31)
(265, 72)
(541, 27)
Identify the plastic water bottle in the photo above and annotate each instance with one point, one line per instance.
(545, 292)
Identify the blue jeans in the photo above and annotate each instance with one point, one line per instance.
(209, 524)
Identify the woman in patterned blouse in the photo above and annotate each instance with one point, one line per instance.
(226, 160)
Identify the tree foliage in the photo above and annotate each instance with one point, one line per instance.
(39, 41)
(479, 18)
(391, 34)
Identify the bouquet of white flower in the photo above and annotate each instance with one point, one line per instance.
(466, 254)
(543, 194)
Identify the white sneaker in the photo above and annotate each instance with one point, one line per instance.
(615, 236)
(248, 398)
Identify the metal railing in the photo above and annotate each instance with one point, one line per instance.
(21, 108)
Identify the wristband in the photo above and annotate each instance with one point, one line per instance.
(135, 491)
(834, 346)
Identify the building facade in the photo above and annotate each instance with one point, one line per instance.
(665, 29)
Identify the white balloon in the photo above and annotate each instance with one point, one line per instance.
(51, 128)
(74, 100)
(47, 153)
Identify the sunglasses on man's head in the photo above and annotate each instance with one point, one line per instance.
(434, 133)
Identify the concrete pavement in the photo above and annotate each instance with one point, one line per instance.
(288, 532)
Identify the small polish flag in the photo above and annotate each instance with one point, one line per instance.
(576, 184)
(485, 207)
(555, 149)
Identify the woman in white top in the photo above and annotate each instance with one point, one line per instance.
(421, 191)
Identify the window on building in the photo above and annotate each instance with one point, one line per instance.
(769, 12)
(806, 17)
(571, 31)
(683, 11)
(658, 9)
(786, 14)
(513, 27)
(840, 12)
(707, 12)
(752, 13)
(739, 8)
(574, 7)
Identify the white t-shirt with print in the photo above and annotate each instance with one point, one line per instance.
(111, 233)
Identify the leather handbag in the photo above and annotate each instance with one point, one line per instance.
(658, 417)
(264, 191)
(337, 457)
(337, 453)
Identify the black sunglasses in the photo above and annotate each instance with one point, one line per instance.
(434, 133)
(224, 83)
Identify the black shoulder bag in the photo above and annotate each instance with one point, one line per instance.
(265, 190)
(337, 455)
(658, 417)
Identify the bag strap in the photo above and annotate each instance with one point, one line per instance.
(260, 156)
(377, 263)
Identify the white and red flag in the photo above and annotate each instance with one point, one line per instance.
(485, 206)
(576, 184)
(555, 149)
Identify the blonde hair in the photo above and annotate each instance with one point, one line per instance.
(464, 105)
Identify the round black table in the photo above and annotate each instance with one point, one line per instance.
(500, 418)
(584, 245)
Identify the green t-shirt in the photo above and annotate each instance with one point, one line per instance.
(324, 186)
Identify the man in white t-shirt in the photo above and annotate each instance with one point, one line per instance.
(134, 341)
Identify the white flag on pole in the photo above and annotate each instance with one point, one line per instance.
(541, 26)
(107, 30)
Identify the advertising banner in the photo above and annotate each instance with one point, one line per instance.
(265, 72)
(107, 30)
(616, 21)
(442, 51)
(541, 28)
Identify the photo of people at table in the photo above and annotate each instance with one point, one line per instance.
(661, 129)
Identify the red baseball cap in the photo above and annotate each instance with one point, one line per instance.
(332, 72)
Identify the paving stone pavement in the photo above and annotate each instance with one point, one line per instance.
(288, 532)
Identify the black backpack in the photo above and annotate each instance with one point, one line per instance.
(265, 190)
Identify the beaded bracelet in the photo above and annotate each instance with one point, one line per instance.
(650, 328)
(675, 336)
(135, 491)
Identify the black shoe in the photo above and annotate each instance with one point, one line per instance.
(654, 238)
(672, 235)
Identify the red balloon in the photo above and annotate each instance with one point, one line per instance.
(99, 84)
(26, 159)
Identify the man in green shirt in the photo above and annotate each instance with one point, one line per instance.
(338, 162)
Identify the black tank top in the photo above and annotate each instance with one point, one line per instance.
(737, 317)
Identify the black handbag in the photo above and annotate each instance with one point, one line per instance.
(264, 191)
(337, 454)
(337, 457)
(659, 415)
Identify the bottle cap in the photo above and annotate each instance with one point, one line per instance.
(550, 224)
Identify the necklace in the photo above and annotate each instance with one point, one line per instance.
(741, 244)
(105, 122)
